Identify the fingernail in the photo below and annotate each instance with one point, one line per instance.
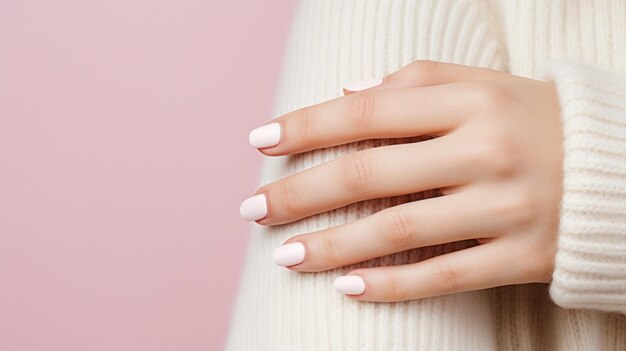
(289, 254)
(364, 84)
(265, 136)
(254, 208)
(349, 284)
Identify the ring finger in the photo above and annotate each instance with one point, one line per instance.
(417, 224)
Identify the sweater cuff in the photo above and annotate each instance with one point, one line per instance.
(590, 262)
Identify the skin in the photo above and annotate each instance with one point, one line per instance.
(496, 155)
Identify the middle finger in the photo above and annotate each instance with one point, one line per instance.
(374, 173)
(439, 220)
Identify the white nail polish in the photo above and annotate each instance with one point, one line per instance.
(289, 254)
(265, 136)
(254, 208)
(364, 84)
(349, 284)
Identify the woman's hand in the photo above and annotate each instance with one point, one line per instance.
(496, 156)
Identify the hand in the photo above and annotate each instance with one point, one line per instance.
(496, 155)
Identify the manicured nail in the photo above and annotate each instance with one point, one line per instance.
(364, 84)
(349, 284)
(254, 208)
(265, 136)
(289, 254)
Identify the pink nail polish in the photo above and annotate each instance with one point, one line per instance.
(289, 254)
(349, 284)
(265, 136)
(254, 208)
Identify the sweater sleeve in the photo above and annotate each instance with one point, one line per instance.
(590, 262)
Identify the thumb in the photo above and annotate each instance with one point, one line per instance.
(426, 73)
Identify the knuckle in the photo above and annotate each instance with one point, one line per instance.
(492, 97)
(326, 248)
(357, 173)
(362, 110)
(520, 207)
(287, 197)
(542, 265)
(397, 228)
(526, 202)
(446, 277)
(304, 126)
(424, 70)
(504, 160)
(481, 154)
(536, 262)
(495, 155)
(392, 288)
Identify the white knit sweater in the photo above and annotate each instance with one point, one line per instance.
(579, 44)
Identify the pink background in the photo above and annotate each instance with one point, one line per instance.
(123, 160)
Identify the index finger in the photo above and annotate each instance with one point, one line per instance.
(384, 113)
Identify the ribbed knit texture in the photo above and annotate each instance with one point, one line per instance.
(591, 260)
(334, 42)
